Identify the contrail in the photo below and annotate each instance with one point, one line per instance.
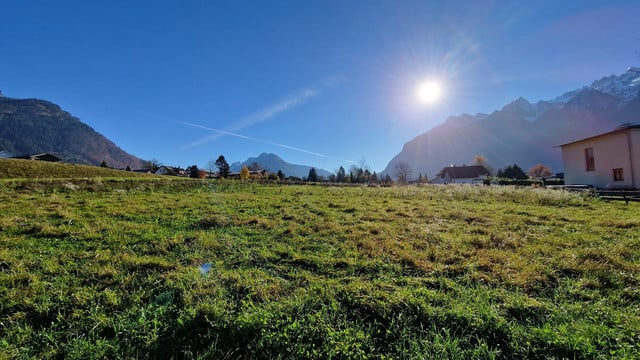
(290, 102)
(223, 132)
(284, 105)
(296, 99)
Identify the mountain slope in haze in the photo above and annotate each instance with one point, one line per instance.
(273, 163)
(35, 126)
(525, 133)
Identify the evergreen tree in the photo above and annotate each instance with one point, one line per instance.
(341, 175)
(373, 178)
(104, 164)
(280, 175)
(512, 172)
(518, 173)
(223, 166)
(313, 175)
(193, 171)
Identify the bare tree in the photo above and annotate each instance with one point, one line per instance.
(211, 167)
(255, 167)
(402, 171)
(153, 164)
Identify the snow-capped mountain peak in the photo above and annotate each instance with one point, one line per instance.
(625, 86)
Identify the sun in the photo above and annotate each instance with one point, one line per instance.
(429, 92)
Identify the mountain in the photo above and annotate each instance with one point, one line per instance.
(35, 126)
(525, 133)
(273, 163)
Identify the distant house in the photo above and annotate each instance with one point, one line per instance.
(4, 154)
(40, 157)
(607, 161)
(474, 174)
(255, 174)
(170, 170)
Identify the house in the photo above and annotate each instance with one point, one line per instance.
(607, 161)
(253, 174)
(39, 157)
(474, 174)
(4, 154)
(170, 170)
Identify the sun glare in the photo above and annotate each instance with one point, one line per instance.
(429, 92)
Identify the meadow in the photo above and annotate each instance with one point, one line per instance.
(148, 268)
(29, 170)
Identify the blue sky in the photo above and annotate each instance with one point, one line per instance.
(320, 83)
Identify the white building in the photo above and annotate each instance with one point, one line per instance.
(606, 161)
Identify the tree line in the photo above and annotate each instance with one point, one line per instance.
(357, 174)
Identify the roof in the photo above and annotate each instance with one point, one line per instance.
(5, 154)
(463, 172)
(39, 156)
(619, 129)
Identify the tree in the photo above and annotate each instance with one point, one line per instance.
(313, 175)
(104, 164)
(482, 160)
(128, 168)
(388, 180)
(373, 178)
(244, 173)
(255, 167)
(402, 172)
(153, 165)
(193, 171)
(280, 175)
(512, 172)
(341, 175)
(211, 166)
(539, 171)
(223, 166)
(357, 174)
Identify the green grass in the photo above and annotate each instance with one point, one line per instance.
(110, 269)
(30, 169)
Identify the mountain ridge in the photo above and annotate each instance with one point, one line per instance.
(273, 163)
(39, 126)
(525, 133)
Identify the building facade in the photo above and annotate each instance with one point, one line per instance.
(605, 161)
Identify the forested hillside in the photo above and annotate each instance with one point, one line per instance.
(34, 126)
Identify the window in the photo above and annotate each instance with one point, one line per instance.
(589, 159)
(618, 175)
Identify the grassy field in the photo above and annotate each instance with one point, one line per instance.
(30, 169)
(192, 269)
